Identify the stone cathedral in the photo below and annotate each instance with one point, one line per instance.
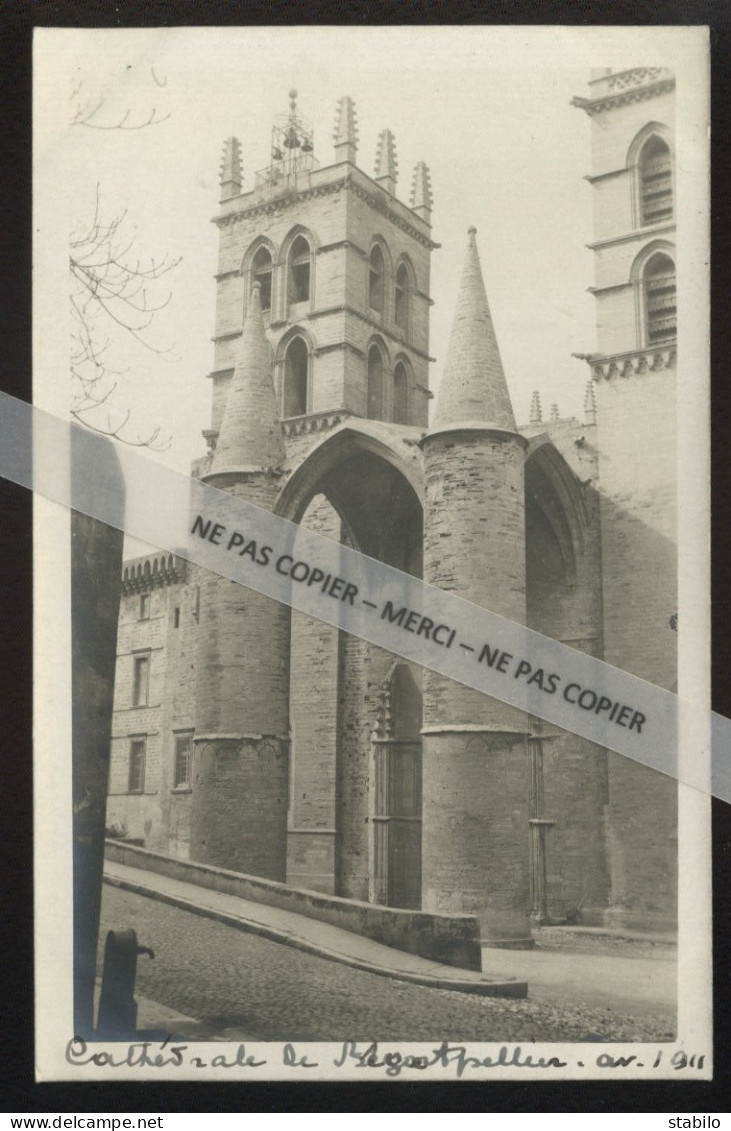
(251, 737)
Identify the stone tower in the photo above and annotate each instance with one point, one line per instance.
(632, 178)
(239, 810)
(343, 268)
(475, 768)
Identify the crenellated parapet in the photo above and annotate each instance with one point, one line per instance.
(152, 571)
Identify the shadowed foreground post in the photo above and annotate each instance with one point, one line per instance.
(96, 565)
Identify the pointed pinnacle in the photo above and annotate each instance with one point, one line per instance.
(230, 171)
(473, 390)
(536, 413)
(251, 436)
(346, 129)
(421, 194)
(386, 163)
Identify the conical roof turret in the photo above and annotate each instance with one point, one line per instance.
(251, 436)
(473, 391)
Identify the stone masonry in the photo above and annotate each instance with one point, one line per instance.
(252, 738)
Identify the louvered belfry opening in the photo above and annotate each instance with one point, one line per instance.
(660, 299)
(656, 182)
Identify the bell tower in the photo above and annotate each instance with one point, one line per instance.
(632, 179)
(343, 272)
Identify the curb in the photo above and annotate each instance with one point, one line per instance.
(512, 989)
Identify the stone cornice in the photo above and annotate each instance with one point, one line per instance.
(341, 308)
(474, 428)
(332, 346)
(624, 92)
(379, 203)
(340, 244)
(313, 422)
(645, 360)
(636, 234)
(278, 203)
(345, 308)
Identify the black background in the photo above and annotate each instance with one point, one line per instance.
(19, 1091)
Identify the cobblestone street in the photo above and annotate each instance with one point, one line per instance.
(240, 986)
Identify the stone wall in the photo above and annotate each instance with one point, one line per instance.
(451, 939)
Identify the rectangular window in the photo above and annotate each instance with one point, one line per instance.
(183, 751)
(144, 606)
(141, 681)
(176, 619)
(137, 756)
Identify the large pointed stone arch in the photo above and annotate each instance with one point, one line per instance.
(371, 476)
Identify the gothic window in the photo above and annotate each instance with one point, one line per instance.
(660, 300)
(181, 768)
(376, 279)
(299, 271)
(400, 394)
(656, 182)
(140, 681)
(375, 384)
(261, 269)
(137, 759)
(296, 364)
(401, 306)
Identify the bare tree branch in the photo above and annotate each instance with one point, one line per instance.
(111, 287)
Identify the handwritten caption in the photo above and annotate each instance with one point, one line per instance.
(455, 1058)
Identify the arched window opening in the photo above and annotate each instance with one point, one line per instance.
(401, 307)
(656, 182)
(376, 279)
(660, 300)
(375, 384)
(400, 394)
(261, 269)
(299, 270)
(295, 378)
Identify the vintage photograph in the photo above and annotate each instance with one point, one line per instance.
(419, 291)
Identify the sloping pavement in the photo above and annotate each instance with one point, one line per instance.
(632, 980)
(621, 977)
(314, 937)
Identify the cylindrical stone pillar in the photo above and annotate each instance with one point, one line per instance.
(241, 755)
(476, 783)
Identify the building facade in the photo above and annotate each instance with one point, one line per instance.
(252, 737)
